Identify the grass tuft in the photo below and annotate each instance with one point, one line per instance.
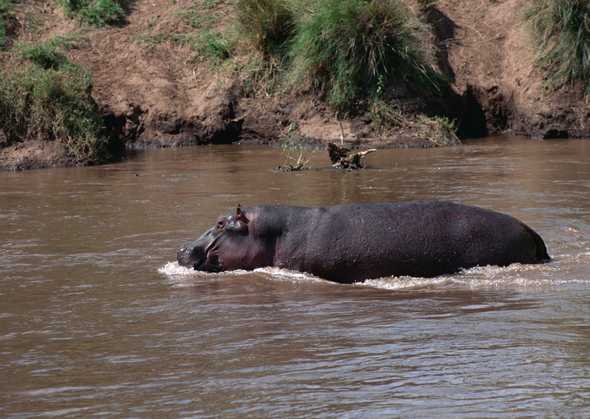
(350, 50)
(207, 44)
(95, 12)
(562, 28)
(48, 54)
(213, 45)
(269, 24)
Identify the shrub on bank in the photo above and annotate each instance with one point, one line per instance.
(562, 28)
(95, 12)
(350, 50)
(52, 102)
(269, 24)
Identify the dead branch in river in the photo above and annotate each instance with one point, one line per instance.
(344, 158)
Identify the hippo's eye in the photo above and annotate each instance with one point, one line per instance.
(220, 224)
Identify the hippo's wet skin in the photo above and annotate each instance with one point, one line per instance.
(349, 243)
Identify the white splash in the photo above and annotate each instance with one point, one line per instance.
(180, 275)
(174, 269)
(481, 277)
(396, 283)
(287, 275)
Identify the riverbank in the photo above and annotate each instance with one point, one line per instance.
(179, 73)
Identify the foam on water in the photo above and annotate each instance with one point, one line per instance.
(485, 277)
(515, 275)
(181, 276)
(287, 275)
(174, 269)
(395, 283)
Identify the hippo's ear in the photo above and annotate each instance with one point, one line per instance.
(240, 215)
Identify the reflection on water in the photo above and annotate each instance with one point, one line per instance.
(97, 319)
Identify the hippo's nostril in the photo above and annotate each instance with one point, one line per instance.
(191, 255)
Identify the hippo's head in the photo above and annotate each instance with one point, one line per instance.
(228, 245)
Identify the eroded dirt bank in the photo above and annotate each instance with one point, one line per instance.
(153, 92)
(491, 54)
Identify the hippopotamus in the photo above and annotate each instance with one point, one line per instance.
(355, 242)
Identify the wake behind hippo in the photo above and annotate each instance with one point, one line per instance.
(350, 243)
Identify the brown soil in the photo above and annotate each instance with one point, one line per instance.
(34, 155)
(491, 53)
(154, 94)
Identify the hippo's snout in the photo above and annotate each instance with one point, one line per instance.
(191, 256)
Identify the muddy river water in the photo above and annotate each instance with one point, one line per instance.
(96, 318)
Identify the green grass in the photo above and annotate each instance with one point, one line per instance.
(212, 45)
(49, 99)
(562, 29)
(269, 24)
(96, 12)
(196, 18)
(5, 13)
(426, 4)
(207, 43)
(349, 52)
(353, 50)
(151, 41)
(4, 9)
(48, 54)
(201, 14)
(209, 4)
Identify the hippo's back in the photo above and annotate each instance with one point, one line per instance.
(348, 243)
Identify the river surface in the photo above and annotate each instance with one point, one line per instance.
(97, 319)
